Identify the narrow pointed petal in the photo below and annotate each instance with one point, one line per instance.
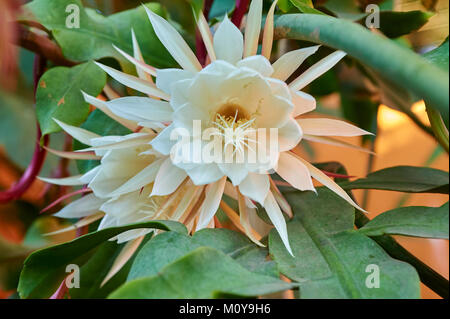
(294, 172)
(124, 256)
(205, 32)
(245, 221)
(226, 34)
(168, 179)
(138, 140)
(73, 155)
(230, 191)
(253, 28)
(317, 70)
(288, 63)
(138, 56)
(329, 127)
(174, 43)
(82, 135)
(268, 32)
(328, 182)
(282, 202)
(163, 142)
(85, 206)
(134, 82)
(335, 142)
(277, 218)
(139, 64)
(141, 109)
(141, 179)
(303, 103)
(255, 186)
(131, 125)
(213, 197)
(66, 181)
(232, 215)
(84, 222)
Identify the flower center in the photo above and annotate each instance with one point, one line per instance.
(235, 126)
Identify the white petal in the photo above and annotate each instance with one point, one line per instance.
(317, 70)
(268, 32)
(66, 181)
(205, 32)
(204, 174)
(141, 179)
(88, 176)
(303, 103)
(81, 223)
(335, 142)
(128, 141)
(294, 172)
(136, 108)
(139, 64)
(253, 28)
(166, 77)
(277, 219)
(174, 43)
(162, 142)
(228, 42)
(288, 63)
(209, 208)
(138, 56)
(289, 136)
(328, 182)
(258, 63)
(235, 171)
(168, 179)
(85, 206)
(255, 186)
(329, 127)
(245, 221)
(134, 82)
(104, 108)
(84, 136)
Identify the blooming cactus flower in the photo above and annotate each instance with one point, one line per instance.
(239, 92)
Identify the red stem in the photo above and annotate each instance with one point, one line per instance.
(239, 12)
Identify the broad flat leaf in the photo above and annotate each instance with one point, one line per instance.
(330, 259)
(431, 222)
(345, 9)
(168, 247)
(305, 6)
(101, 124)
(439, 56)
(394, 24)
(94, 38)
(392, 61)
(202, 273)
(59, 95)
(45, 269)
(407, 179)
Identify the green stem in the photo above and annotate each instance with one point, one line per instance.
(402, 66)
(438, 127)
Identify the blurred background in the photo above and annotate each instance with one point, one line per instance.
(342, 92)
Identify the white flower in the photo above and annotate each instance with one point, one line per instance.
(237, 93)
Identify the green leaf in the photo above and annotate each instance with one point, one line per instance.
(44, 269)
(345, 9)
(168, 247)
(407, 179)
(220, 8)
(99, 123)
(404, 67)
(94, 38)
(59, 95)
(305, 6)
(332, 261)
(430, 222)
(202, 273)
(395, 24)
(439, 56)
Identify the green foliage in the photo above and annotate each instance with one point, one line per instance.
(44, 269)
(431, 222)
(331, 260)
(407, 179)
(439, 56)
(59, 95)
(203, 273)
(96, 35)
